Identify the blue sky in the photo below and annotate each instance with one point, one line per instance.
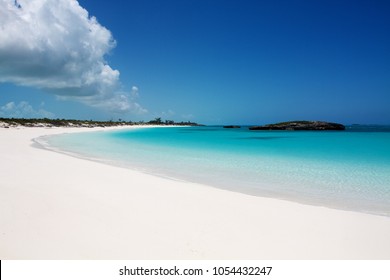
(213, 62)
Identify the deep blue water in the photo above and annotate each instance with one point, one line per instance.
(341, 169)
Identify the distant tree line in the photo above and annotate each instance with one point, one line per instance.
(159, 121)
(45, 122)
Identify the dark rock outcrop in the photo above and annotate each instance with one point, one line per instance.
(231, 126)
(300, 125)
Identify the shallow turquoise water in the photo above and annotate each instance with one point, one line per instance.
(348, 169)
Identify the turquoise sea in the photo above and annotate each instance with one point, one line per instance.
(339, 169)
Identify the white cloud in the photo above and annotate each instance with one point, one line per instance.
(168, 114)
(134, 92)
(23, 110)
(188, 116)
(58, 47)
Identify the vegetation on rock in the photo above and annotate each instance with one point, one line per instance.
(300, 125)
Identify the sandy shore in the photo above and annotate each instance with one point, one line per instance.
(54, 206)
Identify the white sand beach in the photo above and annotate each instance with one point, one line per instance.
(54, 206)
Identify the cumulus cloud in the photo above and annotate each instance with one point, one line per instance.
(56, 46)
(23, 110)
